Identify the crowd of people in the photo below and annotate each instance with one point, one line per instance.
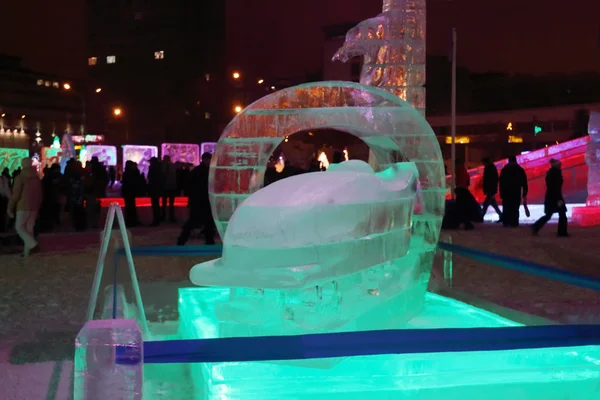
(511, 185)
(31, 205)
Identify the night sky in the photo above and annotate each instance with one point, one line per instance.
(520, 36)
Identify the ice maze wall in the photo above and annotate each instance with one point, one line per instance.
(393, 129)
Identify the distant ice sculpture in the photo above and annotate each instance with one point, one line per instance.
(340, 268)
(393, 46)
(67, 148)
(592, 159)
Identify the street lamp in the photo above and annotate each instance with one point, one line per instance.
(261, 81)
(117, 112)
(98, 90)
(237, 109)
(67, 86)
(236, 75)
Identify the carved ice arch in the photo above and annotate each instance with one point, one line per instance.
(391, 127)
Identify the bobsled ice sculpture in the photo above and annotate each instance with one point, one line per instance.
(312, 236)
(315, 227)
(337, 272)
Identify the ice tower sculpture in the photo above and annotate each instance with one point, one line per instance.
(67, 148)
(592, 159)
(393, 46)
(327, 251)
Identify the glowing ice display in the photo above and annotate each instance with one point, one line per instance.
(207, 147)
(11, 158)
(393, 46)
(67, 150)
(107, 155)
(181, 152)
(592, 159)
(532, 374)
(50, 155)
(309, 245)
(140, 155)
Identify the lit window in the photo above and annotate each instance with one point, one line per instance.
(40, 82)
(47, 83)
(159, 55)
(55, 84)
(206, 115)
(207, 77)
(111, 59)
(92, 61)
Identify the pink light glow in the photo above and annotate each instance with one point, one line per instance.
(586, 216)
(186, 153)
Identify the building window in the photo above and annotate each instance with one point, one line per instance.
(207, 77)
(40, 82)
(92, 61)
(47, 83)
(159, 55)
(111, 59)
(206, 115)
(55, 84)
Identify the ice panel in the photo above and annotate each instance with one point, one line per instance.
(592, 159)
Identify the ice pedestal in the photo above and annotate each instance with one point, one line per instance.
(536, 374)
(109, 361)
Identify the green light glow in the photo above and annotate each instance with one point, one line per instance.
(549, 374)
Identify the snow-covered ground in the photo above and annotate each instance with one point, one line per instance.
(43, 299)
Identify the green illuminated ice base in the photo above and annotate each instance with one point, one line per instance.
(548, 374)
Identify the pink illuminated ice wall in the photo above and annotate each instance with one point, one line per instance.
(207, 147)
(140, 155)
(181, 152)
(107, 155)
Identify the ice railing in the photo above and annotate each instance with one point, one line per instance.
(526, 318)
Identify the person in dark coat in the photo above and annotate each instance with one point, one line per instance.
(554, 201)
(129, 191)
(155, 189)
(464, 198)
(513, 189)
(490, 187)
(199, 204)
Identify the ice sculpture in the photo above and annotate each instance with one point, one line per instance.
(107, 155)
(140, 155)
(67, 148)
(315, 227)
(393, 46)
(310, 299)
(181, 152)
(592, 159)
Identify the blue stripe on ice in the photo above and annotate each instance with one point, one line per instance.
(349, 344)
(523, 266)
(203, 250)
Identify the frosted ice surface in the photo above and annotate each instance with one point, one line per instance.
(592, 158)
(316, 226)
(109, 361)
